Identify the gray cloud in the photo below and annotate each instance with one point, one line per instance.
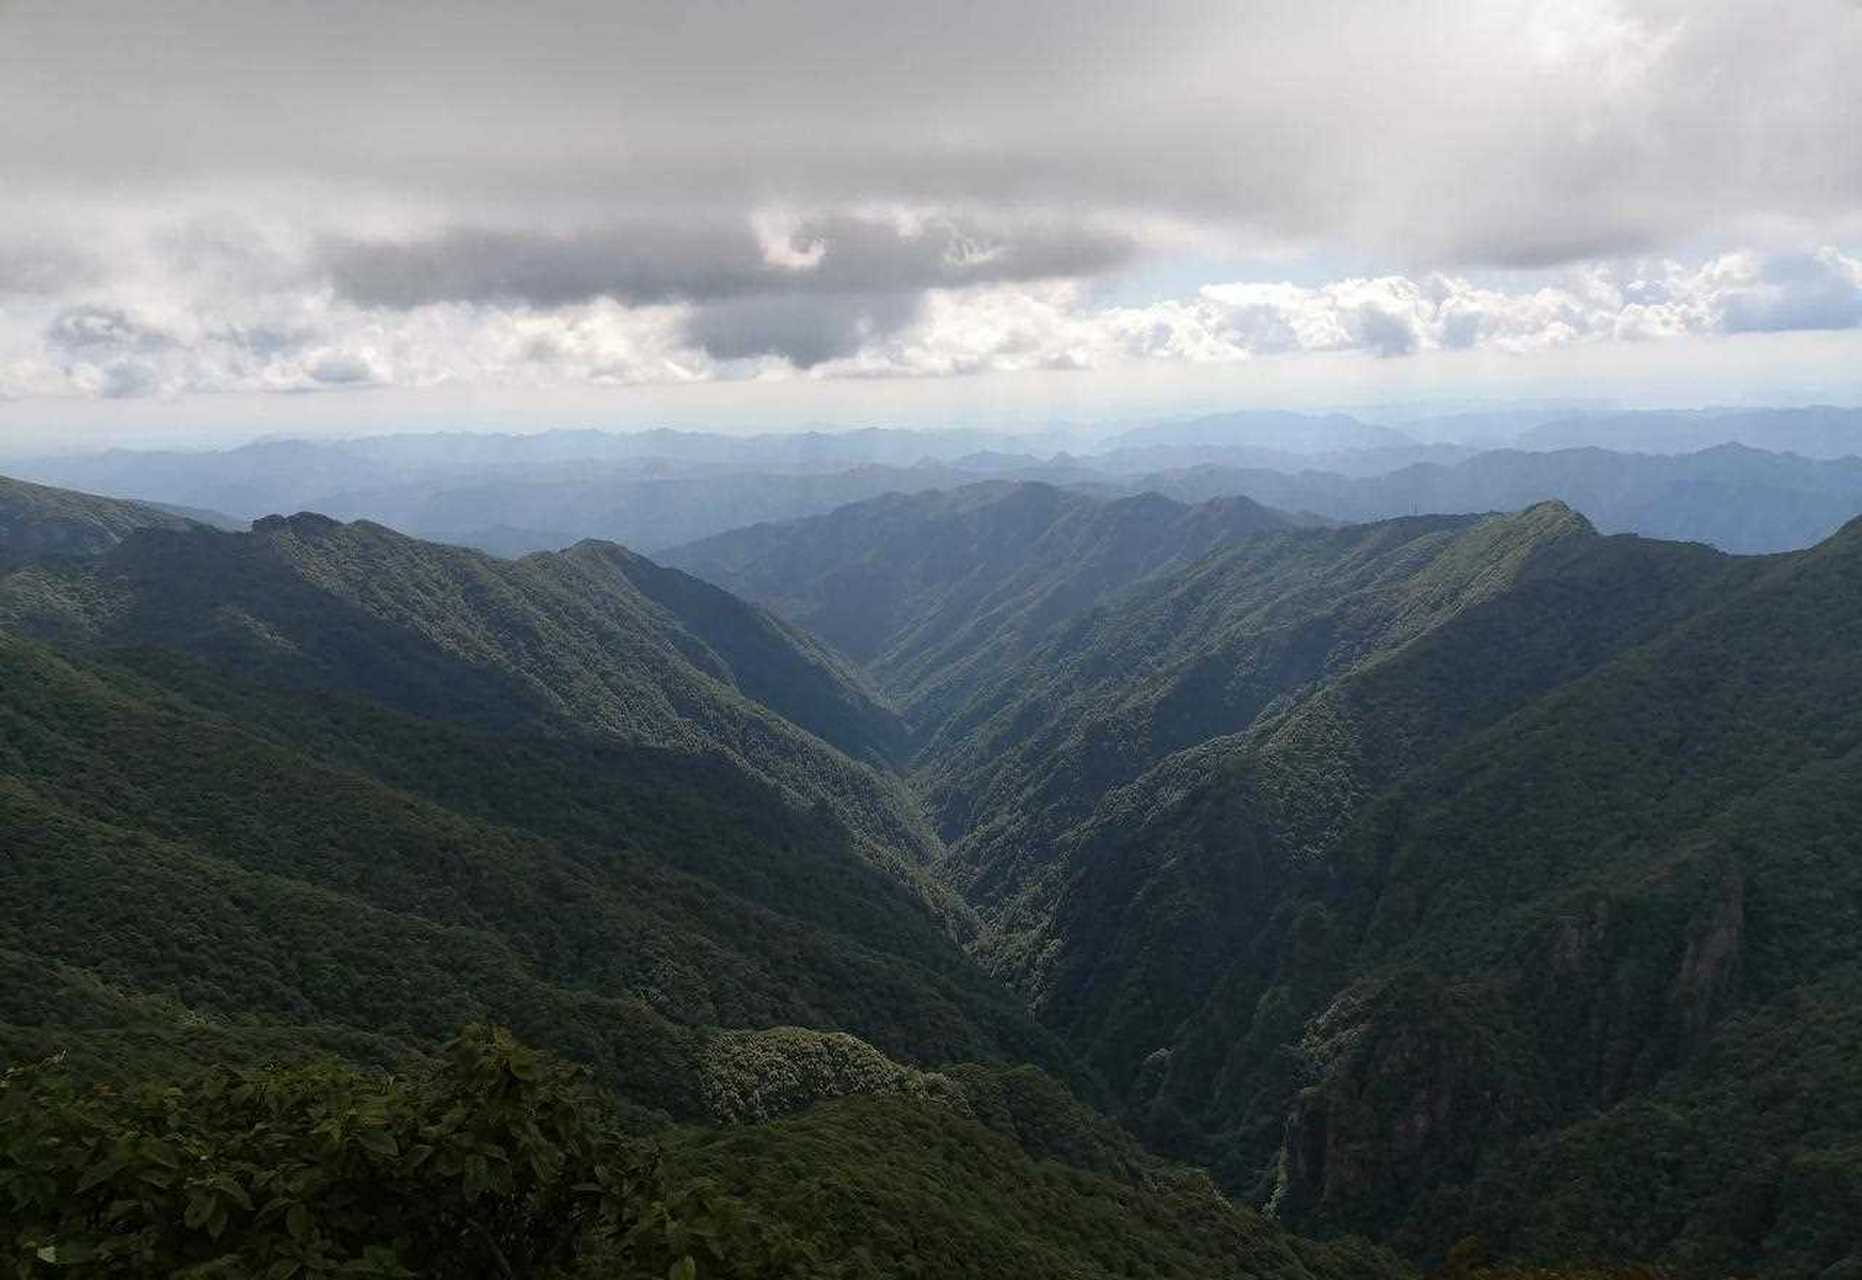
(277, 196)
(127, 379)
(1796, 291)
(828, 284)
(40, 265)
(1520, 132)
(94, 331)
(1386, 333)
(806, 330)
(342, 371)
(644, 262)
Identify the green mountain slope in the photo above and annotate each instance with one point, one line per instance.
(1192, 656)
(935, 593)
(593, 639)
(320, 789)
(214, 856)
(36, 522)
(1519, 847)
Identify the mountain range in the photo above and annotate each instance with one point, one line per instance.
(997, 859)
(1790, 479)
(1396, 871)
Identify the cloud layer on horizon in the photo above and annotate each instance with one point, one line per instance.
(917, 301)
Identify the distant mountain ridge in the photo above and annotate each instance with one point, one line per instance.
(653, 490)
(37, 521)
(1821, 431)
(933, 592)
(1732, 496)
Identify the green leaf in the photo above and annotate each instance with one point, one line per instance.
(379, 1141)
(685, 1268)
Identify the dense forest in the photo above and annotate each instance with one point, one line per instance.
(1440, 877)
(1029, 881)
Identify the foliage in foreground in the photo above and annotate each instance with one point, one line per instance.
(494, 1160)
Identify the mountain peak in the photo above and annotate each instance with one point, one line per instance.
(304, 522)
(1555, 518)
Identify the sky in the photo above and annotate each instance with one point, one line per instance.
(276, 215)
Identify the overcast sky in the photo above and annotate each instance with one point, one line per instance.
(253, 216)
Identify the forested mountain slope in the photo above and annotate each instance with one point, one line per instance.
(322, 789)
(36, 521)
(593, 639)
(937, 592)
(1406, 874)
(184, 849)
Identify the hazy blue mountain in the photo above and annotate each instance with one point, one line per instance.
(653, 490)
(651, 513)
(1734, 497)
(1128, 460)
(1298, 433)
(515, 494)
(1815, 432)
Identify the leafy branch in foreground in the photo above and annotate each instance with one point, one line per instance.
(492, 1160)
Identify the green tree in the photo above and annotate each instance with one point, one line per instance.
(492, 1160)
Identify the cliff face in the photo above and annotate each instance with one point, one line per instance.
(1418, 1078)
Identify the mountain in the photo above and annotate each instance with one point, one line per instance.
(652, 512)
(1451, 876)
(1819, 431)
(38, 522)
(594, 637)
(325, 786)
(1787, 485)
(1735, 497)
(1144, 459)
(515, 494)
(196, 863)
(1468, 882)
(936, 592)
(1269, 429)
(322, 789)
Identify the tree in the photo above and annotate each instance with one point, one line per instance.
(491, 1160)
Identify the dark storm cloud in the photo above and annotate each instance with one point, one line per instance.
(654, 262)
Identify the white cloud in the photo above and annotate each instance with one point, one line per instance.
(163, 326)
